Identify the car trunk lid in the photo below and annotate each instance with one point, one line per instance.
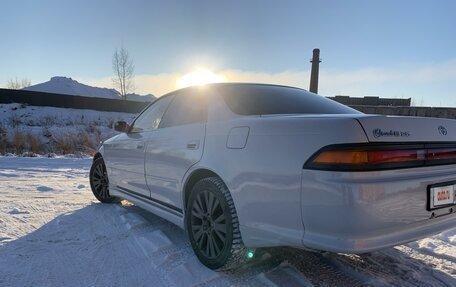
(408, 129)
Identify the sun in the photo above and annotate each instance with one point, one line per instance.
(199, 77)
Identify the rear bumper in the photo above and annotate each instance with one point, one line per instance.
(356, 212)
(366, 244)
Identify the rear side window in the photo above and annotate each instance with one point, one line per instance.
(266, 100)
(186, 108)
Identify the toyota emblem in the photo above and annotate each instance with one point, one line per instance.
(442, 130)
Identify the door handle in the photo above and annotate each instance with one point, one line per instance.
(193, 145)
(140, 146)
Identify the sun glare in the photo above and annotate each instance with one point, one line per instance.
(199, 77)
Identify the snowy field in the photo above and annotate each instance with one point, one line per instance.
(54, 233)
(54, 130)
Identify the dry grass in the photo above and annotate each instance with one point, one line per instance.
(3, 140)
(18, 142)
(64, 144)
(34, 143)
(74, 143)
(87, 143)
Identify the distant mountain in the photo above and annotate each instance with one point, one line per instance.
(68, 86)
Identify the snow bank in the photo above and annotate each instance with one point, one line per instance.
(54, 130)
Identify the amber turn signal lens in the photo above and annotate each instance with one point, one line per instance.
(342, 157)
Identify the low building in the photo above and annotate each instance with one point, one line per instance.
(372, 101)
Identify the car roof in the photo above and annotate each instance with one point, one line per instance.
(230, 84)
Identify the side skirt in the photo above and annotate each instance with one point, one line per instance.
(166, 211)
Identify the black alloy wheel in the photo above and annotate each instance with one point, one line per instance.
(213, 226)
(209, 228)
(99, 182)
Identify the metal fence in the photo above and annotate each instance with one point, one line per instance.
(31, 98)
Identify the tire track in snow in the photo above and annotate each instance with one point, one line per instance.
(180, 259)
(315, 267)
(390, 267)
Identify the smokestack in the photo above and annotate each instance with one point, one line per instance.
(314, 74)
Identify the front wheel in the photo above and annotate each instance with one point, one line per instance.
(213, 226)
(99, 182)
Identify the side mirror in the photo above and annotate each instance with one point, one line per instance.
(121, 126)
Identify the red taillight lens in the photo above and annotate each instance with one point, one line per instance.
(389, 156)
(441, 153)
(378, 157)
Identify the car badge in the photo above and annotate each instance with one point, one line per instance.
(442, 130)
(389, 133)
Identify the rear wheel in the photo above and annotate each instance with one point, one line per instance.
(213, 226)
(99, 182)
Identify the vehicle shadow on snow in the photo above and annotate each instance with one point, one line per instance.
(88, 247)
(122, 245)
(389, 267)
(395, 267)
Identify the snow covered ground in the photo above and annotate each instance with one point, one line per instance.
(54, 233)
(56, 130)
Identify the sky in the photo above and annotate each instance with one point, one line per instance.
(397, 49)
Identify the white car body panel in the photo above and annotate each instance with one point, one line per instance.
(267, 187)
(170, 152)
(124, 157)
(278, 202)
(389, 208)
(413, 129)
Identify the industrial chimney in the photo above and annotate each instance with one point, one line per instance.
(314, 73)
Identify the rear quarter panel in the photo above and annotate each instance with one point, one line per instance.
(265, 177)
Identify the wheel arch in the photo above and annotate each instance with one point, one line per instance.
(97, 155)
(193, 178)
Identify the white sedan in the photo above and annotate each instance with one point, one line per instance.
(242, 166)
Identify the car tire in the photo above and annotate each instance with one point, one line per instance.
(99, 182)
(213, 227)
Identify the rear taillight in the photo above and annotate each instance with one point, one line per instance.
(376, 157)
(441, 153)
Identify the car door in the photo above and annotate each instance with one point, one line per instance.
(175, 147)
(125, 155)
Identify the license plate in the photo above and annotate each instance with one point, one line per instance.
(442, 195)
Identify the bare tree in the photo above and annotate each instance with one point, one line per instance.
(17, 84)
(123, 68)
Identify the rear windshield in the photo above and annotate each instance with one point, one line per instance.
(267, 100)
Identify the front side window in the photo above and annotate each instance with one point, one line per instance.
(150, 118)
(187, 108)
